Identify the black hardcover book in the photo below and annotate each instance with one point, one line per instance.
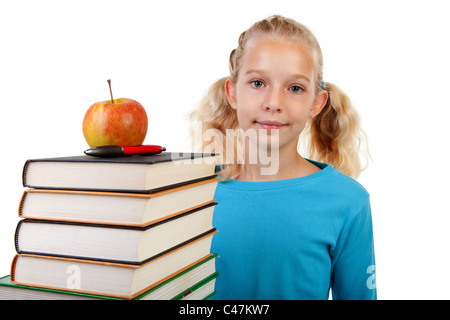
(140, 174)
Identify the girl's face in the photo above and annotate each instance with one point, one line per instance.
(275, 89)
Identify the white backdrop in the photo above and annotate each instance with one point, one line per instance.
(391, 57)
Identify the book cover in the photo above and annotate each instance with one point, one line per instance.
(112, 243)
(142, 174)
(121, 208)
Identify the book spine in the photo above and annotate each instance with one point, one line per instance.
(24, 173)
(16, 236)
(21, 203)
(13, 268)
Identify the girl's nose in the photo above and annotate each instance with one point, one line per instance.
(274, 101)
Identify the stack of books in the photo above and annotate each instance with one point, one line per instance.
(136, 227)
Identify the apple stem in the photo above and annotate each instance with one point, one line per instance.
(110, 91)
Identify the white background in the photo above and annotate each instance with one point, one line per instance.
(391, 58)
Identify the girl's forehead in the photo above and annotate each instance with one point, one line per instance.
(277, 52)
(260, 43)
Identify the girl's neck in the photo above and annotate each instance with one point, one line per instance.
(286, 165)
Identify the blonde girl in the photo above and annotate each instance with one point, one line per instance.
(305, 227)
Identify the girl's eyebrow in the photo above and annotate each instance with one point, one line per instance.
(294, 76)
(248, 72)
(301, 76)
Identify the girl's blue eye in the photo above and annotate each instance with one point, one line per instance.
(257, 84)
(296, 89)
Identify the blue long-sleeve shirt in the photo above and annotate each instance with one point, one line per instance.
(294, 239)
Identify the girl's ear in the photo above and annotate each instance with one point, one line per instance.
(318, 104)
(230, 90)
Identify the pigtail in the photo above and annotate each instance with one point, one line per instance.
(215, 115)
(214, 109)
(335, 135)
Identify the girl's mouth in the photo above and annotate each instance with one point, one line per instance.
(270, 125)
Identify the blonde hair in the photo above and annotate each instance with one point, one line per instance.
(334, 136)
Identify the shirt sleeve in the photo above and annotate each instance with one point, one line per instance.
(353, 259)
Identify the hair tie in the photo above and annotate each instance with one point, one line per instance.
(323, 84)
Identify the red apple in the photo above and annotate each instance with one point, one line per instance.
(120, 122)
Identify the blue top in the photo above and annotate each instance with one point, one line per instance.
(294, 238)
